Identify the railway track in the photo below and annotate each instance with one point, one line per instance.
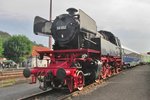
(11, 77)
(55, 94)
(62, 94)
(11, 72)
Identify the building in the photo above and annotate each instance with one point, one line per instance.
(33, 60)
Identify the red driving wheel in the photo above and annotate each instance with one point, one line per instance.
(81, 80)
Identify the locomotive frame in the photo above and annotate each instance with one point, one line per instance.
(73, 77)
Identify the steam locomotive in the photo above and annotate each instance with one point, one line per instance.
(80, 55)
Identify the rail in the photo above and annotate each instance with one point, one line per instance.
(57, 95)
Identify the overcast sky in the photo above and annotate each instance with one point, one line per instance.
(127, 19)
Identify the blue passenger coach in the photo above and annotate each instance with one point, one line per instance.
(130, 58)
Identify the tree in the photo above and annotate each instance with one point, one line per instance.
(1, 47)
(17, 48)
(3, 37)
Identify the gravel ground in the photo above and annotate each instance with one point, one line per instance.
(18, 91)
(133, 84)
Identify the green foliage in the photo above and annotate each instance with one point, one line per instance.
(1, 47)
(3, 37)
(17, 48)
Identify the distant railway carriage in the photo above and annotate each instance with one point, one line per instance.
(130, 58)
(145, 58)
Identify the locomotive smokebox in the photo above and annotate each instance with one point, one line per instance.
(65, 29)
(26, 73)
